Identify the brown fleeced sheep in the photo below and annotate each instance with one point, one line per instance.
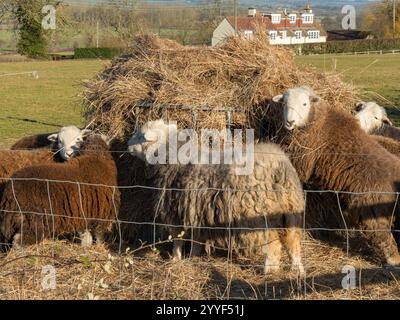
(13, 160)
(214, 196)
(328, 148)
(37, 141)
(389, 144)
(65, 204)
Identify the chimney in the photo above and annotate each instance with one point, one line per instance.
(252, 12)
(308, 8)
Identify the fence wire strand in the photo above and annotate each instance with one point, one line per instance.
(49, 216)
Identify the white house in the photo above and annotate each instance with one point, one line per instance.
(282, 28)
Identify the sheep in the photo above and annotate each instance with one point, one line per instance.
(374, 120)
(13, 160)
(66, 141)
(328, 148)
(37, 141)
(49, 200)
(215, 206)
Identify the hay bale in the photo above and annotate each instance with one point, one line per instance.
(195, 85)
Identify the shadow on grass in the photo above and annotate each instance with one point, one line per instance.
(35, 121)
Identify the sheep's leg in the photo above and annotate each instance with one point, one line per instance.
(196, 250)
(384, 239)
(17, 241)
(273, 252)
(293, 244)
(177, 250)
(99, 235)
(86, 238)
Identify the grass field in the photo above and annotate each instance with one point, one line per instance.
(31, 105)
(376, 75)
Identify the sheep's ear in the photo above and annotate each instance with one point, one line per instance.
(151, 136)
(359, 106)
(105, 139)
(278, 98)
(314, 99)
(387, 121)
(85, 132)
(53, 137)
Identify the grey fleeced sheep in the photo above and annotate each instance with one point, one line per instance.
(213, 196)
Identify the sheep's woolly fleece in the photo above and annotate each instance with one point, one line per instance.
(242, 75)
(92, 204)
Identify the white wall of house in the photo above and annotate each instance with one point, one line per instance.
(292, 40)
(223, 31)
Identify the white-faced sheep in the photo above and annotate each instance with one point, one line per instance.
(329, 149)
(374, 120)
(66, 142)
(212, 198)
(46, 201)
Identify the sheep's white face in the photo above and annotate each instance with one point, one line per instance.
(296, 107)
(69, 140)
(371, 116)
(147, 140)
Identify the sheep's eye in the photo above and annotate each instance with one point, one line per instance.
(305, 104)
(376, 118)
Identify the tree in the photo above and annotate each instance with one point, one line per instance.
(5, 9)
(379, 19)
(32, 41)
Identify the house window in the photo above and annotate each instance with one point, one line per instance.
(272, 35)
(292, 18)
(248, 34)
(314, 34)
(308, 18)
(298, 34)
(275, 18)
(283, 34)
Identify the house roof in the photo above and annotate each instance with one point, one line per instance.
(250, 23)
(347, 35)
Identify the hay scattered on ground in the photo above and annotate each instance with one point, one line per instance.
(241, 75)
(100, 273)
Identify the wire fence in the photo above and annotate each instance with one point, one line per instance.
(46, 221)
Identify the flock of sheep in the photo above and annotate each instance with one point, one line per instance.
(66, 183)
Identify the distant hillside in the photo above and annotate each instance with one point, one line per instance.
(259, 3)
